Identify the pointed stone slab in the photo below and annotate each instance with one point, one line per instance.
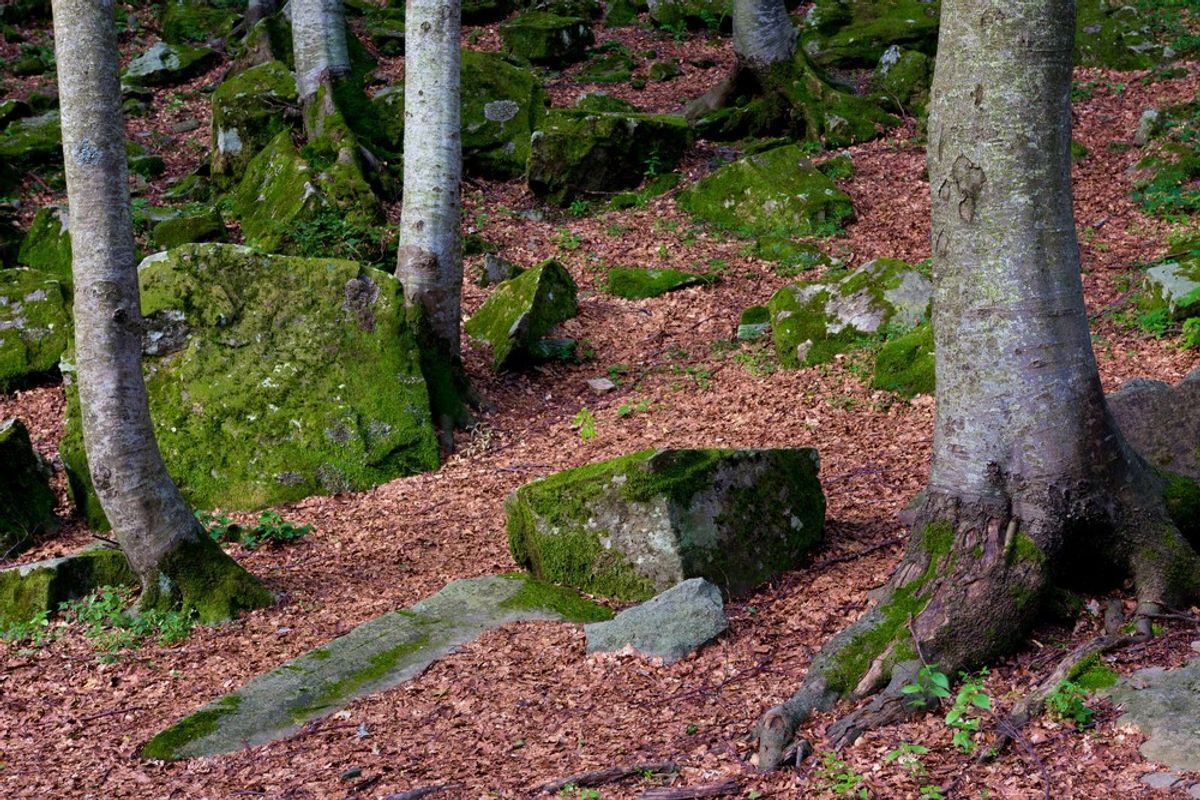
(377, 655)
(1165, 705)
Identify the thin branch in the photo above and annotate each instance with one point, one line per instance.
(599, 777)
(866, 551)
(720, 789)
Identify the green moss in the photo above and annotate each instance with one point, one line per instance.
(523, 310)
(26, 501)
(197, 574)
(166, 745)
(633, 283)
(609, 63)
(775, 193)
(1114, 35)
(905, 364)
(1182, 498)
(902, 80)
(654, 187)
(502, 105)
(246, 116)
(168, 64)
(535, 594)
(204, 225)
(30, 144)
(42, 587)
(378, 667)
(1092, 675)
(35, 326)
(1024, 549)
(856, 33)
(545, 38)
(184, 21)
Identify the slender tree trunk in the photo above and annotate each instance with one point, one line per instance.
(1032, 482)
(322, 58)
(763, 34)
(257, 10)
(174, 558)
(429, 262)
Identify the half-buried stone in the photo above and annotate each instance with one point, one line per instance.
(668, 626)
(273, 378)
(522, 310)
(636, 525)
(41, 586)
(635, 283)
(35, 326)
(376, 655)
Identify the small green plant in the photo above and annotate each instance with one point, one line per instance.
(629, 409)
(585, 423)
(579, 208)
(37, 632)
(929, 689)
(110, 626)
(1191, 333)
(271, 529)
(839, 779)
(1155, 321)
(567, 239)
(219, 526)
(758, 360)
(578, 793)
(1067, 702)
(616, 372)
(962, 717)
(908, 756)
(932, 792)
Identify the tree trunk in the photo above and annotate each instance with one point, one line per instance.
(1032, 483)
(257, 10)
(322, 58)
(429, 262)
(174, 558)
(763, 34)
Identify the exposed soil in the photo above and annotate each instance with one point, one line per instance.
(523, 705)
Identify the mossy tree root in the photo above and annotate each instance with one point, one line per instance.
(197, 574)
(970, 587)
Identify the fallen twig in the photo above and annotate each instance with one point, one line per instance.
(866, 551)
(720, 789)
(111, 713)
(422, 791)
(598, 777)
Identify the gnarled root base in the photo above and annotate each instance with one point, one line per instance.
(970, 587)
(199, 575)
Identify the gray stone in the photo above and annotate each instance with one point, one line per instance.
(633, 526)
(669, 626)
(1160, 780)
(1194, 791)
(168, 64)
(1162, 422)
(497, 269)
(40, 586)
(1149, 124)
(377, 655)
(601, 385)
(35, 326)
(1165, 705)
(1177, 284)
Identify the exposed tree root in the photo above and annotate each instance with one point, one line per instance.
(599, 777)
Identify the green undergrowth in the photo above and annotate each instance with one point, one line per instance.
(271, 529)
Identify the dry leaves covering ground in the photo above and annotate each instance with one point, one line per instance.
(522, 705)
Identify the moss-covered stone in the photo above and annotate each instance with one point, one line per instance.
(168, 65)
(249, 110)
(545, 38)
(29, 144)
(754, 323)
(635, 283)
(675, 14)
(610, 63)
(39, 587)
(812, 322)
(653, 187)
(902, 79)
(856, 33)
(622, 13)
(905, 363)
(636, 525)
(385, 28)
(776, 193)
(577, 154)
(1162, 423)
(502, 105)
(35, 326)
(376, 655)
(11, 235)
(603, 103)
(189, 21)
(269, 40)
(481, 12)
(47, 246)
(274, 378)
(1115, 35)
(26, 501)
(198, 225)
(1174, 284)
(13, 109)
(283, 200)
(522, 310)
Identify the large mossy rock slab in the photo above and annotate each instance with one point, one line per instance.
(905, 364)
(168, 65)
(287, 205)
(273, 378)
(191, 225)
(1162, 422)
(581, 155)
(674, 14)
(26, 501)
(187, 21)
(376, 655)
(774, 193)
(633, 526)
(249, 110)
(668, 626)
(636, 283)
(812, 322)
(41, 586)
(35, 326)
(47, 245)
(29, 144)
(522, 310)
(1164, 704)
(1115, 34)
(544, 38)
(855, 33)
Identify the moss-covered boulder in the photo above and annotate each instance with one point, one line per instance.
(544, 38)
(502, 105)
(674, 14)
(775, 193)
(523, 310)
(41, 586)
(47, 245)
(633, 526)
(905, 363)
(273, 378)
(191, 225)
(610, 63)
(35, 326)
(812, 322)
(13, 109)
(11, 235)
(754, 324)
(385, 28)
(189, 21)
(29, 144)
(856, 33)
(249, 110)
(1174, 284)
(636, 283)
(288, 205)
(168, 65)
(481, 12)
(579, 155)
(1162, 423)
(902, 79)
(269, 40)
(1117, 35)
(26, 501)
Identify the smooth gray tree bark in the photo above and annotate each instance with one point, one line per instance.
(174, 558)
(1032, 483)
(257, 10)
(429, 261)
(322, 58)
(763, 34)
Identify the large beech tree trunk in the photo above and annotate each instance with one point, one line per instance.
(322, 59)
(763, 34)
(429, 262)
(1032, 484)
(174, 558)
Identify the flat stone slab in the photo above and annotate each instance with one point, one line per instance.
(1165, 705)
(669, 626)
(377, 655)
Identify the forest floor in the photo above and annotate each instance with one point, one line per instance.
(523, 705)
